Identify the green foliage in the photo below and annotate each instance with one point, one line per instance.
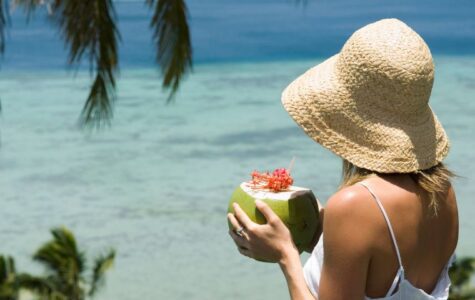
(102, 264)
(461, 274)
(89, 31)
(3, 24)
(42, 287)
(172, 38)
(8, 287)
(11, 283)
(65, 266)
(64, 263)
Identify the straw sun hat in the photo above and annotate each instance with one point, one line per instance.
(369, 103)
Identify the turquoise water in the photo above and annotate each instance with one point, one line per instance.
(156, 184)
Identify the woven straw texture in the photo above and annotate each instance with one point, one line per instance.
(370, 103)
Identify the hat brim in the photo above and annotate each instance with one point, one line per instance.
(321, 105)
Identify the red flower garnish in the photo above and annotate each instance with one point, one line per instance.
(276, 181)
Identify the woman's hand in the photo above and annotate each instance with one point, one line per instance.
(269, 242)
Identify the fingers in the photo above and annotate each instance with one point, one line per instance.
(240, 241)
(234, 222)
(245, 252)
(232, 219)
(268, 213)
(242, 217)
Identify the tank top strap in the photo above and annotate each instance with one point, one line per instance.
(391, 231)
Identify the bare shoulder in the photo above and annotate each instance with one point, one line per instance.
(348, 241)
(350, 217)
(352, 203)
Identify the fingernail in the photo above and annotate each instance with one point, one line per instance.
(258, 202)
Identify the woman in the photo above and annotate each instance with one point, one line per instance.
(391, 230)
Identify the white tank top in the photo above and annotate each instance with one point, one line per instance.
(313, 268)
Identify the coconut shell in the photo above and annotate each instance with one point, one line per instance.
(299, 212)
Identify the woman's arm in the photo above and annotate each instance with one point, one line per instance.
(270, 242)
(349, 233)
(292, 269)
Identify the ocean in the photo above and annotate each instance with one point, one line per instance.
(155, 185)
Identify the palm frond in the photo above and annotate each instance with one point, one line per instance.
(3, 270)
(460, 274)
(8, 292)
(62, 258)
(98, 107)
(102, 264)
(11, 265)
(171, 36)
(38, 285)
(3, 24)
(462, 270)
(8, 287)
(7, 269)
(89, 30)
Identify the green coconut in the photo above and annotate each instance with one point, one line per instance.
(297, 207)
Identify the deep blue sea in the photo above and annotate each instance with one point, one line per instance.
(155, 185)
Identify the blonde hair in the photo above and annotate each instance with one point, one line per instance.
(434, 181)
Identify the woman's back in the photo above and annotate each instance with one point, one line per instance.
(360, 218)
(426, 241)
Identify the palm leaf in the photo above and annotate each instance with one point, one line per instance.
(462, 270)
(3, 24)
(8, 292)
(40, 286)
(89, 31)
(62, 258)
(102, 264)
(460, 274)
(7, 269)
(3, 270)
(98, 107)
(8, 287)
(11, 265)
(172, 39)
